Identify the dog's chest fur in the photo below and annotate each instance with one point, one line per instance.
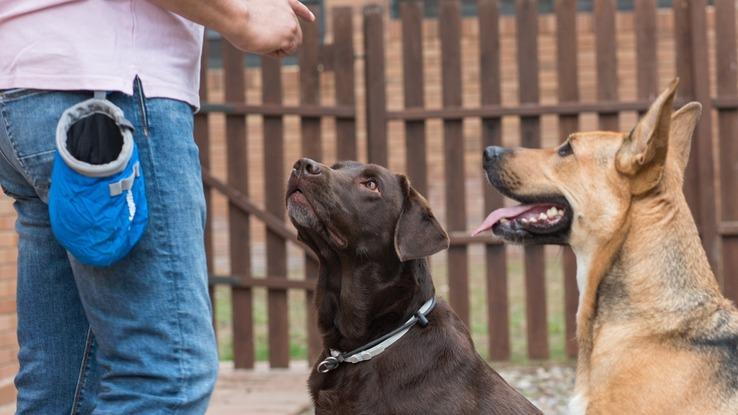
(432, 370)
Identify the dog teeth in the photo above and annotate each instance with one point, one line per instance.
(504, 221)
(542, 216)
(551, 212)
(524, 220)
(560, 212)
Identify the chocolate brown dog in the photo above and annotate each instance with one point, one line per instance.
(372, 233)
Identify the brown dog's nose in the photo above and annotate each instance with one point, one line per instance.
(307, 167)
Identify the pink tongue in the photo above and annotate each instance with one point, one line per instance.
(496, 215)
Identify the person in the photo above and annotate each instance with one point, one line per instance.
(134, 337)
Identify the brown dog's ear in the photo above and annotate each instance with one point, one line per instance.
(683, 123)
(642, 155)
(417, 232)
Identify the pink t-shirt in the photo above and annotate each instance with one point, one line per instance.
(99, 45)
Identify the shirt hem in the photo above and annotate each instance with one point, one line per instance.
(81, 82)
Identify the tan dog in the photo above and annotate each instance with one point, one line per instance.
(655, 334)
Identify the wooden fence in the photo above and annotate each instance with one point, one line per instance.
(718, 222)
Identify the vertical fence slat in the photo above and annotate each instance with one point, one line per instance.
(682, 56)
(647, 60)
(202, 139)
(343, 67)
(530, 133)
(700, 61)
(238, 221)
(453, 142)
(375, 85)
(727, 65)
(607, 64)
(568, 75)
(310, 131)
(411, 13)
(496, 261)
(276, 249)
(690, 34)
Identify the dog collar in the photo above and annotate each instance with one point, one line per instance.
(377, 346)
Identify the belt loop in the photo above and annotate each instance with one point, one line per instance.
(100, 95)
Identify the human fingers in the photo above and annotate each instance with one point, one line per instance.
(302, 11)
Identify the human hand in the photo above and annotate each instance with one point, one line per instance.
(268, 27)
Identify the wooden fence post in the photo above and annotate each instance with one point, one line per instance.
(603, 17)
(310, 130)
(276, 246)
(202, 139)
(343, 70)
(693, 70)
(496, 261)
(453, 144)
(530, 133)
(568, 76)
(239, 228)
(411, 15)
(727, 66)
(375, 85)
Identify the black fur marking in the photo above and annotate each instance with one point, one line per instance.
(612, 293)
(721, 343)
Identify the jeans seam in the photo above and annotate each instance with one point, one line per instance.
(7, 129)
(78, 398)
(179, 348)
(19, 165)
(20, 93)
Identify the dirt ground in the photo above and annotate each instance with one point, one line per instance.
(283, 392)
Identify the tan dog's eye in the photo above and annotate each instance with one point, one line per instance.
(565, 150)
(371, 184)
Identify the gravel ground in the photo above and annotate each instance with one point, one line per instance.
(549, 387)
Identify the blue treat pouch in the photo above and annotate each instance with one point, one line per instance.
(97, 200)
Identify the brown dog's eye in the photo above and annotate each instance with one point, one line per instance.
(371, 184)
(565, 150)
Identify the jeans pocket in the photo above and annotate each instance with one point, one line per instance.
(29, 119)
(7, 95)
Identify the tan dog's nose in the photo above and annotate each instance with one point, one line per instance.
(493, 153)
(307, 167)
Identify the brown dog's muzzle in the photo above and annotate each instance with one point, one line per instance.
(307, 167)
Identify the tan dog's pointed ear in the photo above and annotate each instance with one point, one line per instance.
(683, 123)
(642, 155)
(417, 232)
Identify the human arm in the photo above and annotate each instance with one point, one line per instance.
(265, 27)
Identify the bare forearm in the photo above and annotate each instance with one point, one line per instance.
(215, 14)
(269, 27)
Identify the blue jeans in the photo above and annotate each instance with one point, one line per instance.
(133, 338)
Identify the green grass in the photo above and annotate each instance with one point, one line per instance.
(478, 309)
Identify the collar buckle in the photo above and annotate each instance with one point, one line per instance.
(328, 364)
